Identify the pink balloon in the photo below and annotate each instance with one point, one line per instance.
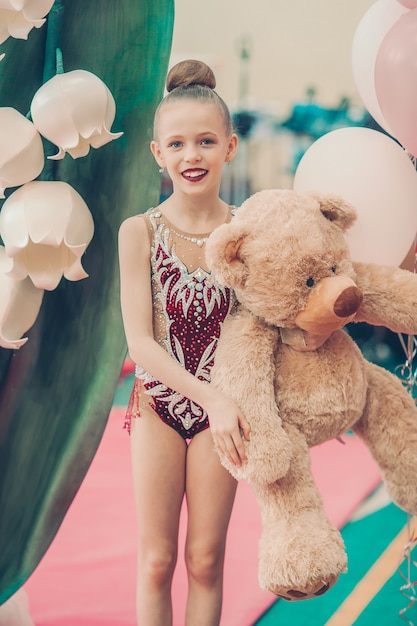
(369, 34)
(410, 4)
(396, 80)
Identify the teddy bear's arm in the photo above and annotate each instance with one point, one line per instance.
(389, 297)
(244, 369)
(301, 553)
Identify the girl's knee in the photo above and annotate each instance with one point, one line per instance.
(205, 566)
(158, 568)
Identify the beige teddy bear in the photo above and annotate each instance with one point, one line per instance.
(286, 257)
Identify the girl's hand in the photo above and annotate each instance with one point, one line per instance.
(228, 428)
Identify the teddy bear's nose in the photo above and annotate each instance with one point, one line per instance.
(348, 302)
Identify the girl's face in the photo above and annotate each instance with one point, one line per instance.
(193, 145)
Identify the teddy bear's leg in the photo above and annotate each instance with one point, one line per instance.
(244, 370)
(389, 429)
(301, 554)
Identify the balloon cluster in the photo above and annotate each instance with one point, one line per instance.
(376, 170)
(45, 225)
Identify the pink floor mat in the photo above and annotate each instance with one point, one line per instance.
(87, 577)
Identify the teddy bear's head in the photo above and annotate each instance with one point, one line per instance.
(286, 257)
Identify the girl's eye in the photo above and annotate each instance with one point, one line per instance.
(207, 142)
(175, 144)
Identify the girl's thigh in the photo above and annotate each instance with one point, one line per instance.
(210, 492)
(158, 456)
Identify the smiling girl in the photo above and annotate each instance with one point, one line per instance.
(173, 310)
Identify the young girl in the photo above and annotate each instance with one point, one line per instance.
(172, 312)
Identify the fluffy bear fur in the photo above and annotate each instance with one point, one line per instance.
(287, 259)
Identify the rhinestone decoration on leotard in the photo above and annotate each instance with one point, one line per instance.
(193, 306)
(199, 241)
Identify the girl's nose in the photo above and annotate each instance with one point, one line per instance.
(192, 155)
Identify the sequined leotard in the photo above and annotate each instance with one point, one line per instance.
(189, 308)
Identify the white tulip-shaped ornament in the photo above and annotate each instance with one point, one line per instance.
(21, 150)
(46, 227)
(20, 302)
(74, 110)
(18, 17)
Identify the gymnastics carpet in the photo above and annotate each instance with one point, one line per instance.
(87, 577)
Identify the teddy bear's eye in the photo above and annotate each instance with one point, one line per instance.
(333, 269)
(310, 281)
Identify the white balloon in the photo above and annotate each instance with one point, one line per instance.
(367, 39)
(372, 172)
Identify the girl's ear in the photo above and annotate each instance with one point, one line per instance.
(157, 154)
(231, 150)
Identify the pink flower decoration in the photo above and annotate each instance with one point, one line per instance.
(46, 227)
(18, 17)
(20, 302)
(74, 110)
(21, 150)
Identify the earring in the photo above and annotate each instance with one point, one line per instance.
(161, 170)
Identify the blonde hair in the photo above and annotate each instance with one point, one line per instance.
(193, 80)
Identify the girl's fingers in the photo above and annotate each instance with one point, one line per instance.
(233, 450)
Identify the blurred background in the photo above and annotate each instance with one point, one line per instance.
(285, 70)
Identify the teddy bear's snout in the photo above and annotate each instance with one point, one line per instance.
(348, 302)
(332, 303)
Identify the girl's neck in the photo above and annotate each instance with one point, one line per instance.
(194, 214)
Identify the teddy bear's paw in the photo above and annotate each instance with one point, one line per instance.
(300, 557)
(262, 473)
(265, 467)
(307, 593)
(263, 470)
(404, 496)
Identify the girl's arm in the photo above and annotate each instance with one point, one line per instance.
(225, 417)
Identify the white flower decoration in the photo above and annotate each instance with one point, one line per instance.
(46, 227)
(21, 150)
(74, 110)
(20, 302)
(18, 17)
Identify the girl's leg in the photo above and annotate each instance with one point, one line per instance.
(210, 492)
(158, 464)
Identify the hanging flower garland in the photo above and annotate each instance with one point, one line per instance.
(45, 225)
(18, 17)
(21, 150)
(74, 110)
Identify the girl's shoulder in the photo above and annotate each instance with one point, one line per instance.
(134, 227)
(138, 218)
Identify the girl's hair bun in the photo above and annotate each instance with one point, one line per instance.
(190, 72)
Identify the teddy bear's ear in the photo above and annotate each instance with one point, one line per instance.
(336, 210)
(223, 256)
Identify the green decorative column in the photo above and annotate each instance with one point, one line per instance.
(56, 392)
